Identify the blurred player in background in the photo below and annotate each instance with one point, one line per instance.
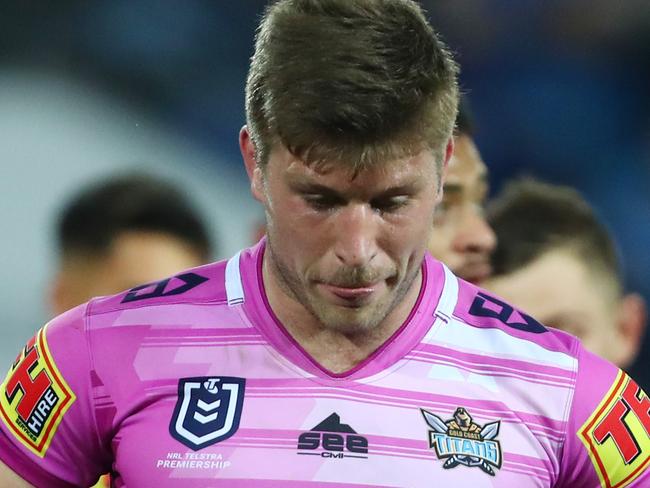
(122, 232)
(558, 262)
(463, 240)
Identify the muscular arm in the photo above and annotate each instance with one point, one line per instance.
(9, 479)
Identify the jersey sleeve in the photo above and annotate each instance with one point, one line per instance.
(608, 437)
(48, 432)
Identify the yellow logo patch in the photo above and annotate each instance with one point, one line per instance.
(34, 396)
(617, 435)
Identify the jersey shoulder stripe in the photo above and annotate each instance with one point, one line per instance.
(202, 285)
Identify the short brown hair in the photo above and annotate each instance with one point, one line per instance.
(359, 81)
(531, 218)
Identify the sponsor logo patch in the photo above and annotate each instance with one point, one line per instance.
(617, 434)
(334, 440)
(461, 441)
(34, 396)
(207, 411)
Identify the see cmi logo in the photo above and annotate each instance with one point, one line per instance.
(617, 434)
(334, 440)
(461, 441)
(34, 396)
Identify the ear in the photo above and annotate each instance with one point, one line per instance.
(632, 320)
(255, 174)
(449, 151)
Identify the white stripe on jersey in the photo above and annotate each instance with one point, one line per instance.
(234, 287)
(493, 342)
(449, 296)
(497, 343)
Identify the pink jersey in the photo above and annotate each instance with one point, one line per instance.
(193, 382)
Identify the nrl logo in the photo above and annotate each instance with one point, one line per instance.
(461, 441)
(207, 411)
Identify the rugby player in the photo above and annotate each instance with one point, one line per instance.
(462, 238)
(558, 262)
(337, 351)
(121, 232)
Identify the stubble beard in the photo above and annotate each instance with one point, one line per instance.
(350, 321)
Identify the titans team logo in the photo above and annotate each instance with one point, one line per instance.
(461, 441)
(207, 411)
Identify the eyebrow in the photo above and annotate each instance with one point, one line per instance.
(457, 188)
(306, 186)
(302, 185)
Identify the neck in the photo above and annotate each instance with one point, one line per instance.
(335, 350)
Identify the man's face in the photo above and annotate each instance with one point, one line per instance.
(348, 248)
(559, 291)
(134, 258)
(462, 239)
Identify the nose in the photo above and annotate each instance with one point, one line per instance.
(356, 235)
(475, 235)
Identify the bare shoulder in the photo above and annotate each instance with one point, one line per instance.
(9, 479)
